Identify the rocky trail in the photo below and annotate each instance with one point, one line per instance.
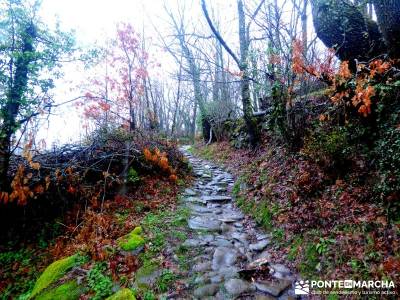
(232, 259)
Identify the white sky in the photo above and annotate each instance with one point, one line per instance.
(94, 21)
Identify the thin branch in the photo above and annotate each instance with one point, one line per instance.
(218, 35)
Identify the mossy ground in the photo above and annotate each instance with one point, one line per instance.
(53, 273)
(123, 294)
(164, 233)
(153, 206)
(132, 240)
(67, 291)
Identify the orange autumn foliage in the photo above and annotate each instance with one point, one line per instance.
(355, 90)
(160, 160)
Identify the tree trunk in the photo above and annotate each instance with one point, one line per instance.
(245, 82)
(342, 26)
(14, 98)
(388, 13)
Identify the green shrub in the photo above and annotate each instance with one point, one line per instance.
(133, 176)
(328, 146)
(387, 153)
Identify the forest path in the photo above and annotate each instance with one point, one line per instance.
(231, 259)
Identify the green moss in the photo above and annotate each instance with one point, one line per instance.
(67, 291)
(138, 230)
(132, 240)
(123, 294)
(53, 272)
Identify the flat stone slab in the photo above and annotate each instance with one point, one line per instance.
(196, 200)
(206, 291)
(235, 286)
(200, 223)
(275, 288)
(191, 243)
(259, 246)
(200, 209)
(190, 192)
(216, 198)
(224, 257)
(202, 267)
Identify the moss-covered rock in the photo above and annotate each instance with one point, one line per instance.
(132, 241)
(146, 276)
(123, 294)
(52, 273)
(67, 291)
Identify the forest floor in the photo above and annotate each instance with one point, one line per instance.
(211, 235)
(166, 240)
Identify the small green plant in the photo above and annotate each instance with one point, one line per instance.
(311, 260)
(322, 246)
(263, 215)
(278, 234)
(165, 280)
(101, 284)
(294, 248)
(149, 295)
(236, 188)
(133, 176)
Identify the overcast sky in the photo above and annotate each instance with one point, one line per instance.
(95, 21)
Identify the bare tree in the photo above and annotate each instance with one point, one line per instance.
(242, 64)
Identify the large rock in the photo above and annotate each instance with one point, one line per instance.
(224, 257)
(235, 286)
(53, 273)
(275, 288)
(69, 290)
(201, 223)
(133, 241)
(206, 291)
(202, 267)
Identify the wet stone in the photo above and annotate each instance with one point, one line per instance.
(191, 243)
(281, 269)
(194, 200)
(224, 257)
(275, 288)
(200, 209)
(235, 286)
(199, 223)
(259, 246)
(216, 198)
(190, 192)
(202, 267)
(222, 243)
(206, 290)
